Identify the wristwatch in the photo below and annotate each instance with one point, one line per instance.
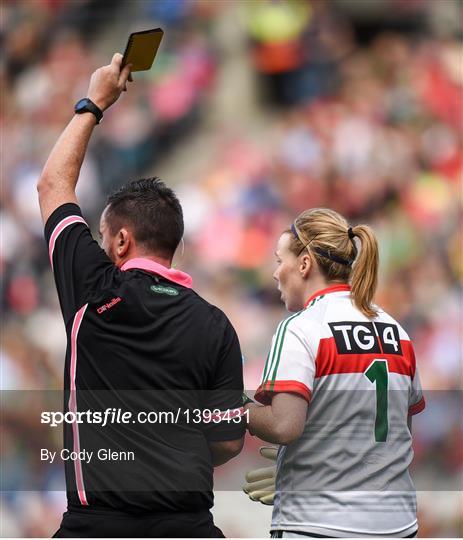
(87, 105)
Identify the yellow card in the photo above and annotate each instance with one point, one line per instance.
(142, 48)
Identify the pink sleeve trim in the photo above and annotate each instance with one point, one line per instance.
(66, 222)
(73, 405)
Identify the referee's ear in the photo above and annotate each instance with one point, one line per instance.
(124, 241)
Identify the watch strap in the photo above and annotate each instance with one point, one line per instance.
(87, 105)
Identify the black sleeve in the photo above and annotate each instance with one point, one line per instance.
(79, 264)
(226, 390)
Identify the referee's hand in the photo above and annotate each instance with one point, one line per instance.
(107, 82)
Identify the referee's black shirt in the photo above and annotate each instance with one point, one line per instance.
(140, 339)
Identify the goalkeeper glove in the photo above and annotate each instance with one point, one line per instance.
(260, 483)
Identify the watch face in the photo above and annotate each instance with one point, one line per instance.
(81, 104)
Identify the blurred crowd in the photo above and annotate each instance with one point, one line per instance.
(366, 122)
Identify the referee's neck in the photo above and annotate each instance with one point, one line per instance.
(150, 257)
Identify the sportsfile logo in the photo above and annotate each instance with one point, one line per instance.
(113, 415)
(109, 305)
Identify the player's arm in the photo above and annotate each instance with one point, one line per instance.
(416, 400)
(57, 183)
(287, 382)
(281, 422)
(223, 451)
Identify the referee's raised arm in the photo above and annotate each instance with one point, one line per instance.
(58, 180)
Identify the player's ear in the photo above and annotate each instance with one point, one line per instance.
(305, 266)
(123, 242)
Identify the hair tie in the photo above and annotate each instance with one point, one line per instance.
(294, 231)
(351, 233)
(333, 257)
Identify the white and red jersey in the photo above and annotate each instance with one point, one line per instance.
(347, 475)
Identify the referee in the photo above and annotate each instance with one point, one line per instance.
(140, 344)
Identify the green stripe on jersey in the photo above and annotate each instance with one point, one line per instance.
(265, 367)
(277, 360)
(271, 353)
(316, 299)
(278, 345)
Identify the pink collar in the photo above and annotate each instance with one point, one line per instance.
(177, 276)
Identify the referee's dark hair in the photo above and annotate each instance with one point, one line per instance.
(153, 212)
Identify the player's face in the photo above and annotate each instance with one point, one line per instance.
(288, 276)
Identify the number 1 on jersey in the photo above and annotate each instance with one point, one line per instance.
(377, 373)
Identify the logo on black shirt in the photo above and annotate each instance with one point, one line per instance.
(161, 289)
(108, 305)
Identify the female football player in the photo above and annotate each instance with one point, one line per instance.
(338, 390)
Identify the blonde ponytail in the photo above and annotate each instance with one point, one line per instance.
(331, 242)
(364, 276)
